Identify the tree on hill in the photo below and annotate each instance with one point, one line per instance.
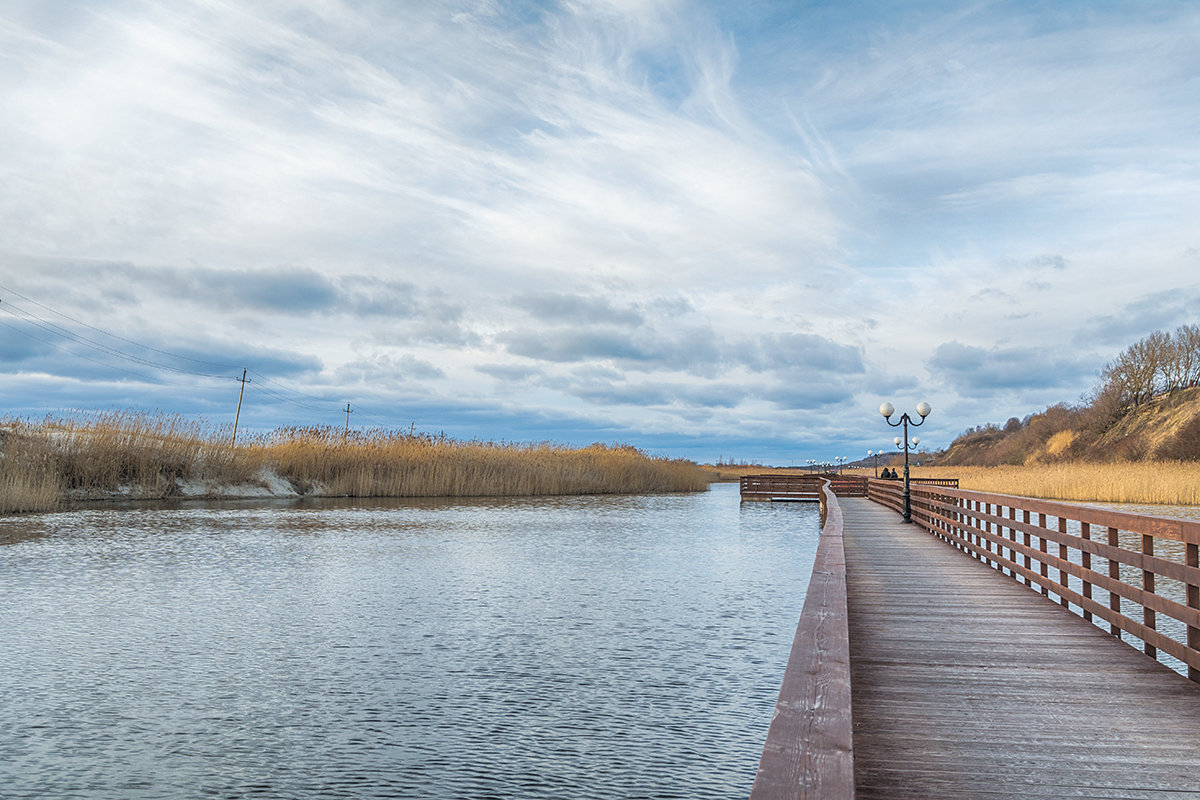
(1159, 363)
(1106, 426)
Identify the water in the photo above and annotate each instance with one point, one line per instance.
(1181, 512)
(615, 647)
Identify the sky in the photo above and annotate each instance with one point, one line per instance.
(717, 231)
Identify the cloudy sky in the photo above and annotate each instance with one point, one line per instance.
(708, 229)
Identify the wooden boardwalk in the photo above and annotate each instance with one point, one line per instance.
(969, 685)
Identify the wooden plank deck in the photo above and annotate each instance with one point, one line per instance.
(968, 685)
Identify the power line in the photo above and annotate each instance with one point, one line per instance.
(18, 330)
(283, 398)
(288, 388)
(114, 336)
(57, 330)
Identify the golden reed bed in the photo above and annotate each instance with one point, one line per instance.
(1158, 482)
(1175, 483)
(151, 456)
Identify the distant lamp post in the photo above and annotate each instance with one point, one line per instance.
(874, 454)
(840, 462)
(887, 410)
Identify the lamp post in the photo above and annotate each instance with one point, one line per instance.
(874, 461)
(840, 462)
(887, 410)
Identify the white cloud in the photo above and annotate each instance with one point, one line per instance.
(616, 213)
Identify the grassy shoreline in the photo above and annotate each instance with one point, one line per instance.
(54, 463)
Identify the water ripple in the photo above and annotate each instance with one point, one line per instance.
(554, 648)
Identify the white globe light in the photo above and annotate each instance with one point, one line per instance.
(887, 409)
(915, 441)
(923, 409)
(897, 441)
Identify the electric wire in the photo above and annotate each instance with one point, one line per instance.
(50, 327)
(280, 397)
(284, 387)
(60, 348)
(115, 336)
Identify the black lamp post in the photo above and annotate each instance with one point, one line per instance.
(874, 454)
(923, 409)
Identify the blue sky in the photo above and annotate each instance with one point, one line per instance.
(705, 229)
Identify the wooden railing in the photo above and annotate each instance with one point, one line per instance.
(781, 487)
(800, 487)
(809, 752)
(1138, 574)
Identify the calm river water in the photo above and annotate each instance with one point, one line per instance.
(582, 647)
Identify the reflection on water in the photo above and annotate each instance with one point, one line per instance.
(561, 647)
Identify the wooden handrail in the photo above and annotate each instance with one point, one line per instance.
(785, 486)
(809, 752)
(1015, 535)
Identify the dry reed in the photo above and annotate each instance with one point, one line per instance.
(734, 472)
(153, 456)
(392, 464)
(1155, 482)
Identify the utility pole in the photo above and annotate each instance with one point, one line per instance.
(347, 431)
(244, 380)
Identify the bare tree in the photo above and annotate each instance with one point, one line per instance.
(1142, 363)
(1158, 363)
(1118, 380)
(1187, 344)
(1171, 366)
(1155, 349)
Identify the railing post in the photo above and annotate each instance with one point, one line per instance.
(1043, 547)
(1063, 580)
(1009, 534)
(959, 504)
(994, 547)
(972, 536)
(980, 508)
(1148, 616)
(1114, 572)
(1028, 560)
(1085, 558)
(1193, 601)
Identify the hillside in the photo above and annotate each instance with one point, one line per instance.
(1164, 428)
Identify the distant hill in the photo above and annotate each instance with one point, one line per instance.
(1166, 427)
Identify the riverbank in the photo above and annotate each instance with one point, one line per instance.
(130, 456)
